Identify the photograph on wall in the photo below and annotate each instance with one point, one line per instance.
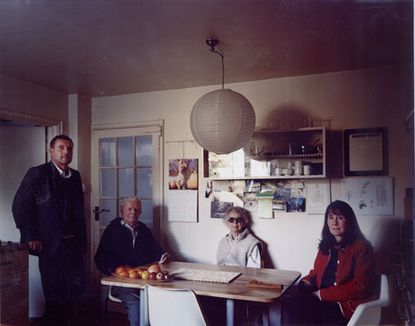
(265, 204)
(296, 202)
(218, 208)
(183, 174)
(261, 198)
(281, 196)
(250, 201)
(252, 186)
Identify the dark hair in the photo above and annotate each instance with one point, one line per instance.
(352, 232)
(54, 139)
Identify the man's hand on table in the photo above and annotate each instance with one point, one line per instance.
(164, 257)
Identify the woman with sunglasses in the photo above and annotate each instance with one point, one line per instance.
(239, 247)
(342, 275)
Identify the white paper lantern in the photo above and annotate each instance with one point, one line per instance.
(222, 121)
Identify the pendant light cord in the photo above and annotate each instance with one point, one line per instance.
(212, 43)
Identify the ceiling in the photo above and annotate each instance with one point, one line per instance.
(102, 47)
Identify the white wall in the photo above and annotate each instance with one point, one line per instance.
(352, 99)
(21, 148)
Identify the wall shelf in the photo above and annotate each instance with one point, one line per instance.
(269, 150)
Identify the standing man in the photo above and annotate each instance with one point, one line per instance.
(48, 209)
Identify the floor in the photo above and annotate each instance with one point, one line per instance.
(114, 319)
(90, 314)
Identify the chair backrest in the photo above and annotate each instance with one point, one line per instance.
(111, 297)
(369, 313)
(173, 307)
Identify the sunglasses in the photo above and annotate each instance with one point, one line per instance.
(235, 220)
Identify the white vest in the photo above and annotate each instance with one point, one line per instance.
(235, 252)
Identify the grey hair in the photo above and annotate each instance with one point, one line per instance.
(243, 213)
(129, 199)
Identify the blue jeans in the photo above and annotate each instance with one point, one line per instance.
(131, 300)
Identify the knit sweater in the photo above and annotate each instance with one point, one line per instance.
(235, 252)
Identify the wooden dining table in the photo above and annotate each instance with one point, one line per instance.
(263, 285)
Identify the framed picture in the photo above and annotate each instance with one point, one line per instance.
(365, 152)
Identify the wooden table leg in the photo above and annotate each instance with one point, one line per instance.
(230, 312)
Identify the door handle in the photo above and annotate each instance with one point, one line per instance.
(98, 211)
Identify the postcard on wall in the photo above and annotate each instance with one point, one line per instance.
(218, 208)
(183, 174)
(368, 195)
(250, 201)
(265, 204)
(318, 196)
(289, 196)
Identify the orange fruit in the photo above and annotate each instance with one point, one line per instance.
(133, 274)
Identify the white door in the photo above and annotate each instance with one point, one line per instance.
(125, 162)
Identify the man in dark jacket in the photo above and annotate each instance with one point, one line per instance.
(48, 209)
(128, 242)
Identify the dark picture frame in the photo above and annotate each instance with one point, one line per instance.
(365, 152)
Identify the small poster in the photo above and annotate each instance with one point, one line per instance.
(318, 196)
(368, 195)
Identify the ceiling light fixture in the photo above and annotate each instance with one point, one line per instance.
(222, 121)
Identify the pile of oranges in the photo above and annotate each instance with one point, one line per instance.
(151, 273)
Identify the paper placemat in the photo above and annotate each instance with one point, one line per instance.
(204, 275)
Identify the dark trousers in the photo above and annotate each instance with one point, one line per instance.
(304, 308)
(63, 281)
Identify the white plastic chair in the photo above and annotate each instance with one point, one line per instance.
(174, 307)
(109, 297)
(369, 313)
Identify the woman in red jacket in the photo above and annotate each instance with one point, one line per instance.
(342, 275)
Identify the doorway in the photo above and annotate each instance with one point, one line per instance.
(23, 145)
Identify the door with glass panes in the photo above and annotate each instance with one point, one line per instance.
(125, 163)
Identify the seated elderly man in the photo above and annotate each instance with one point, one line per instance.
(128, 242)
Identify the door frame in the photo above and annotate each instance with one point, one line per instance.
(126, 129)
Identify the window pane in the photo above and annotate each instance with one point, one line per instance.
(108, 182)
(144, 183)
(126, 182)
(125, 152)
(107, 217)
(107, 152)
(144, 150)
(147, 213)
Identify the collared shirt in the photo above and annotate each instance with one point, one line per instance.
(64, 174)
(132, 229)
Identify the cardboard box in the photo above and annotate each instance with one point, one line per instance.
(14, 287)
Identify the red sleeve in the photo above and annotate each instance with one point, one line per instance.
(360, 285)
